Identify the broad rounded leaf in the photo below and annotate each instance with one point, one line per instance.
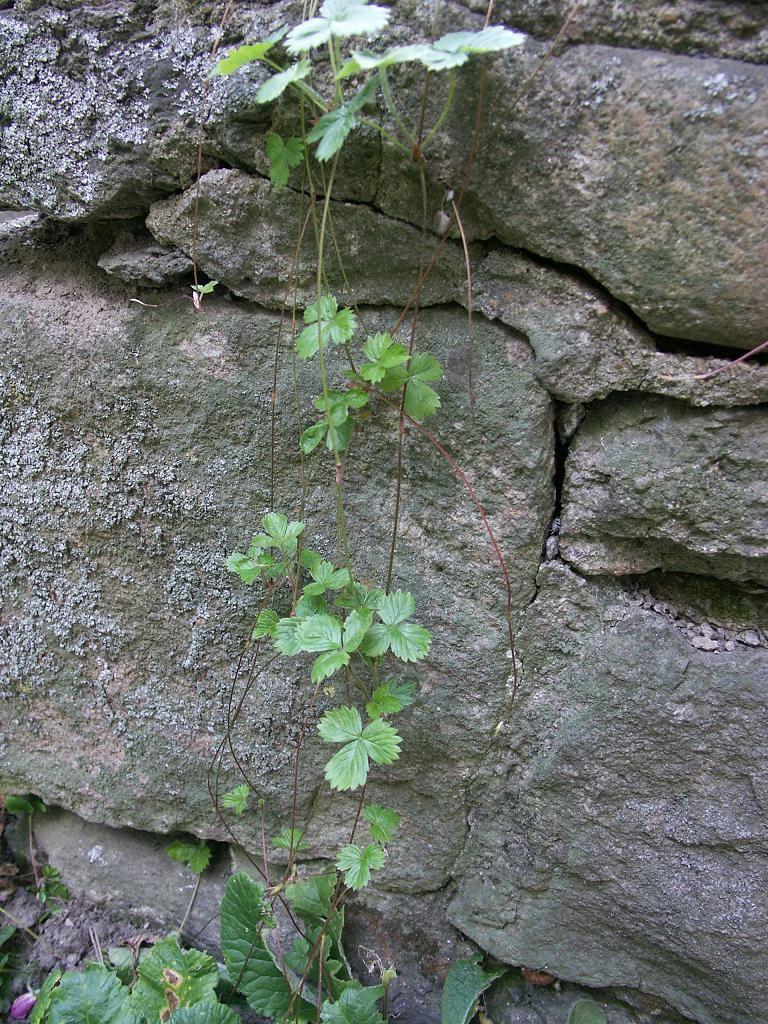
(95, 996)
(205, 1013)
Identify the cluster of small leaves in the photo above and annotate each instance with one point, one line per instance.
(390, 367)
(260, 560)
(195, 856)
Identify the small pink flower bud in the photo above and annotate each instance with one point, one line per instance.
(22, 1005)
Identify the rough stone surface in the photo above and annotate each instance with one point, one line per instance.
(142, 262)
(246, 238)
(131, 871)
(628, 798)
(653, 484)
(135, 456)
(643, 169)
(587, 347)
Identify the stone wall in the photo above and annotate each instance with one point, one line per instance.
(610, 824)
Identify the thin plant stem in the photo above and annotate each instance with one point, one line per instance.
(191, 903)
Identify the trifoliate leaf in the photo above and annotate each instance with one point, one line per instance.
(357, 863)
(290, 839)
(326, 578)
(277, 84)
(326, 664)
(335, 325)
(279, 530)
(266, 623)
(282, 157)
(383, 822)
(337, 18)
(396, 607)
(236, 799)
(464, 984)
(348, 768)
(383, 354)
(245, 54)
(196, 856)
(389, 698)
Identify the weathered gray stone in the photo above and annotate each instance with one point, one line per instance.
(135, 456)
(719, 28)
(586, 348)
(246, 238)
(641, 168)
(130, 871)
(145, 263)
(653, 484)
(620, 833)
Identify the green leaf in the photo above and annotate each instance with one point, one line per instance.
(337, 18)
(280, 533)
(206, 1013)
(357, 863)
(170, 977)
(421, 401)
(335, 325)
(464, 984)
(383, 354)
(333, 128)
(585, 1011)
(242, 55)
(326, 664)
(409, 642)
(243, 566)
(94, 997)
(196, 856)
(244, 911)
(326, 578)
(389, 698)
(22, 805)
(282, 157)
(266, 623)
(6, 932)
(364, 60)
(312, 436)
(284, 636)
(359, 596)
(40, 1009)
(319, 633)
(290, 839)
(357, 1005)
(348, 768)
(298, 961)
(396, 607)
(423, 366)
(311, 897)
(236, 799)
(204, 289)
(340, 725)
(383, 822)
(356, 625)
(277, 84)
(309, 604)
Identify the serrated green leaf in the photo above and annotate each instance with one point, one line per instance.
(205, 1013)
(284, 636)
(340, 725)
(324, 666)
(585, 1011)
(196, 856)
(356, 625)
(423, 366)
(357, 863)
(421, 400)
(266, 623)
(277, 84)
(312, 436)
(333, 128)
(337, 18)
(236, 799)
(95, 996)
(311, 897)
(383, 821)
(356, 1005)
(282, 157)
(348, 768)
(396, 607)
(310, 604)
(242, 55)
(464, 984)
(409, 642)
(383, 354)
(298, 961)
(389, 698)
(364, 60)
(244, 911)
(290, 839)
(319, 633)
(382, 743)
(335, 325)
(187, 974)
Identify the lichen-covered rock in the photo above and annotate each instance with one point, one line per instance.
(587, 348)
(245, 233)
(644, 169)
(619, 835)
(135, 456)
(652, 484)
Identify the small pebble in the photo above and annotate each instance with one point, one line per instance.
(705, 643)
